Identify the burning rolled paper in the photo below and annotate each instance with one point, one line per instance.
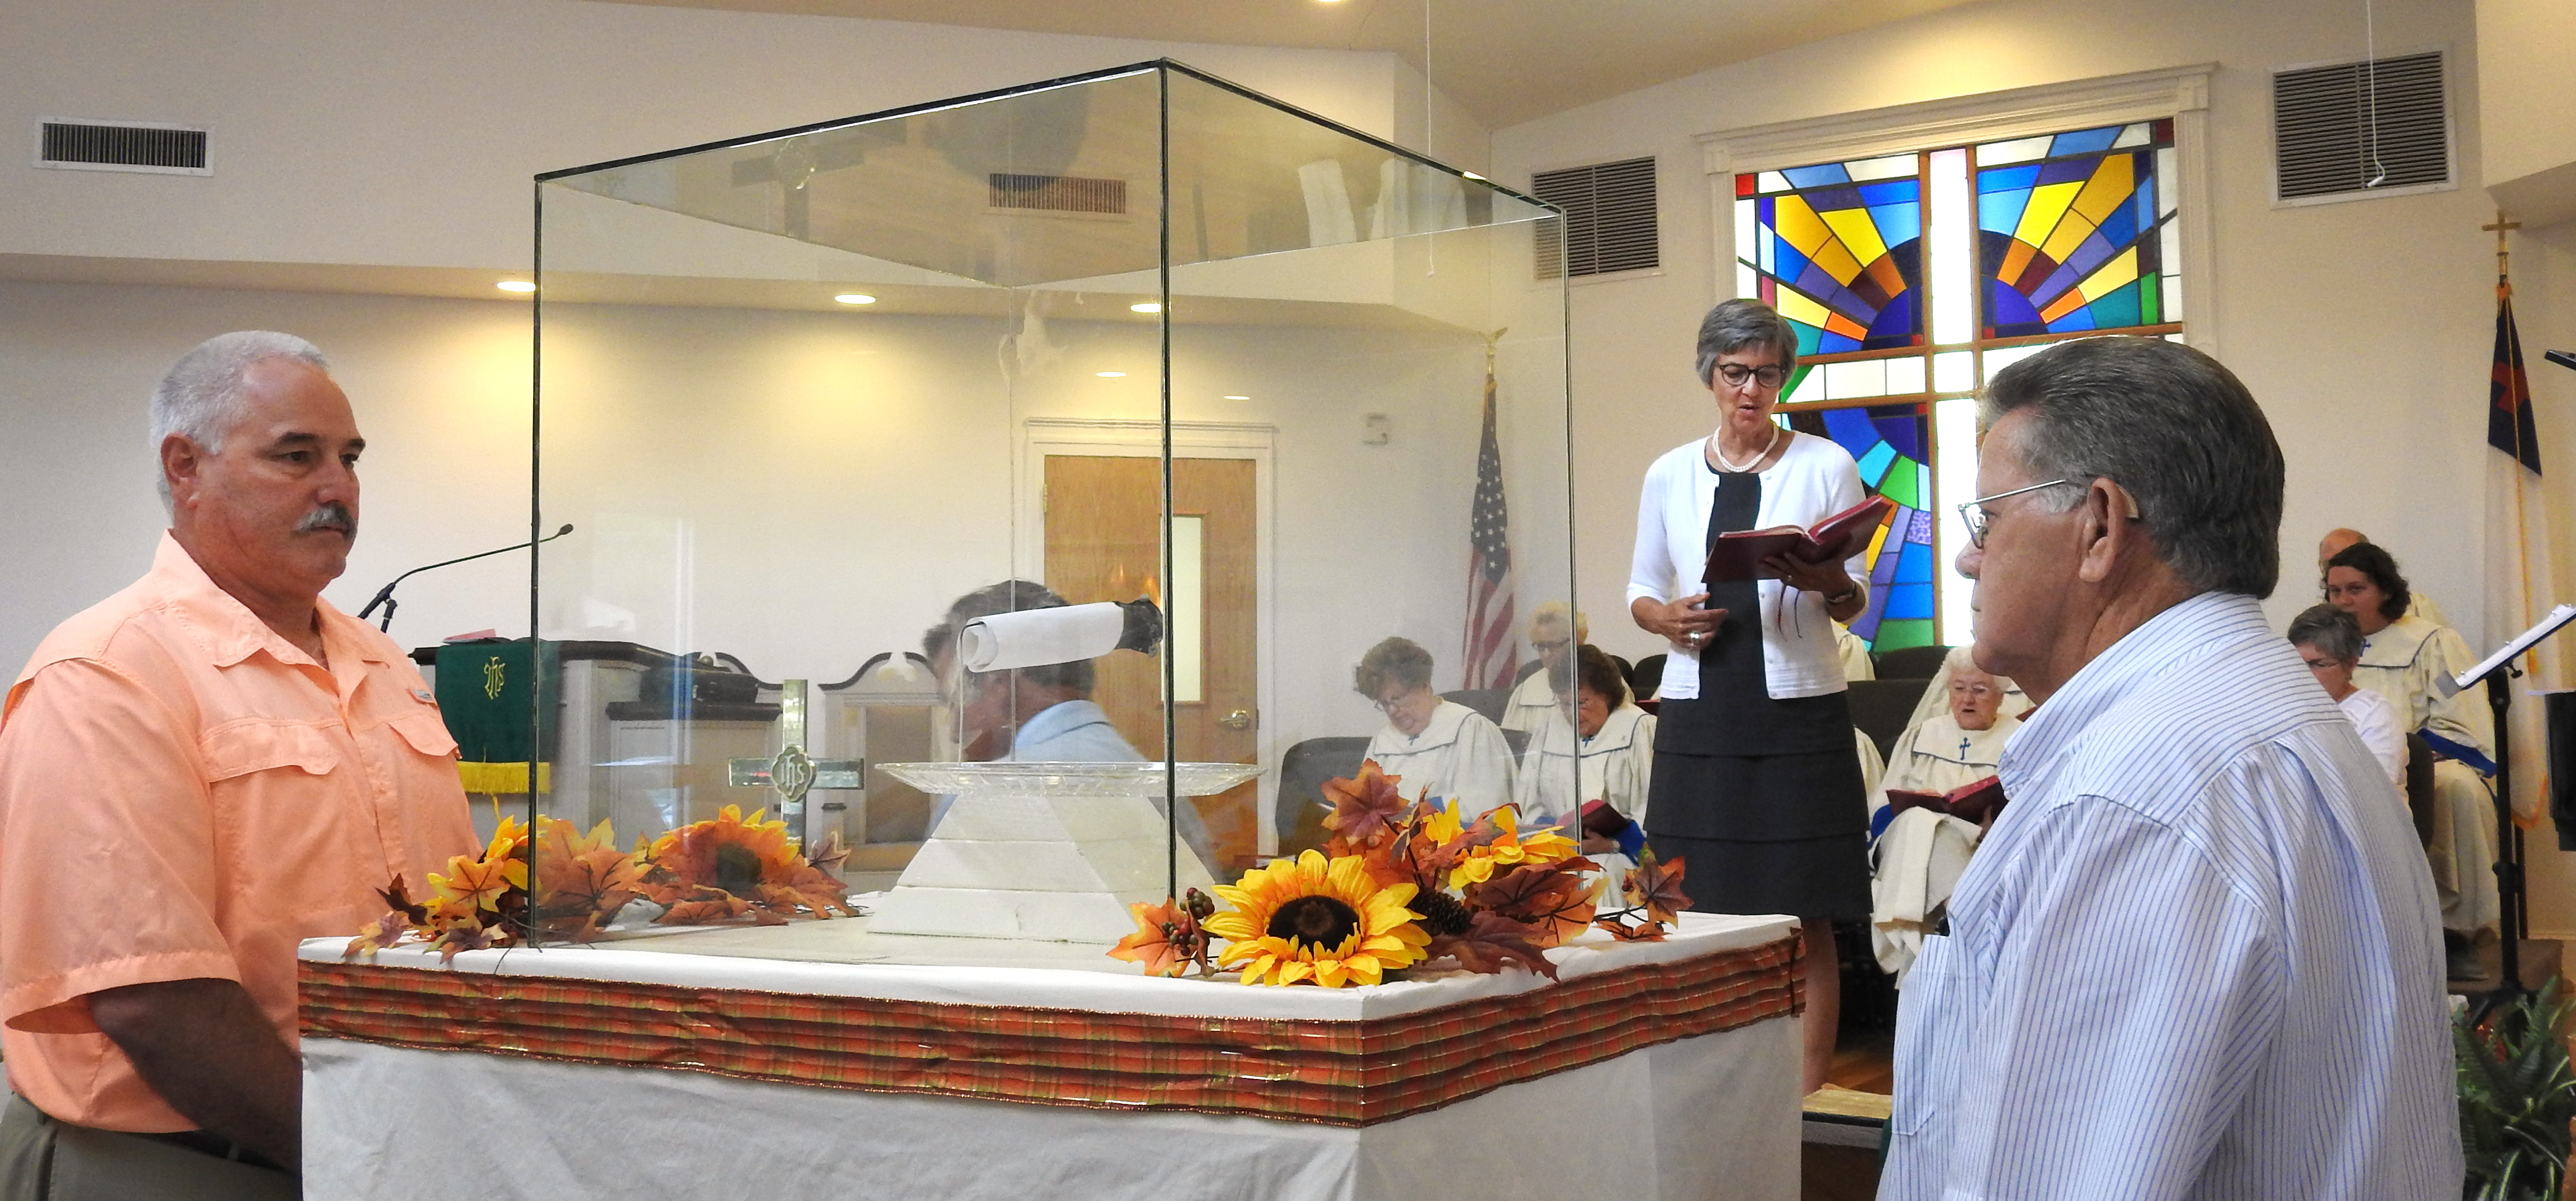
(1037, 637)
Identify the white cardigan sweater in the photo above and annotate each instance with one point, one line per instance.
(1814, 479)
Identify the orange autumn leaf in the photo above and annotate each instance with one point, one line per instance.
(1641, 932)
(378, 934)
(1167, 939)
(1365, 806)
(1491, 941)
(1551, 899)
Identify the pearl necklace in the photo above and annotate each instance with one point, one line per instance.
(1726, 464)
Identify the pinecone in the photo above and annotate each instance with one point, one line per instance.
(1442, 914)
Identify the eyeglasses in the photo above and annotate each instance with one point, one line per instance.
(1975, 515)
(1389, 704)
(1555, 645)
(1736, 373)
(2322, 664)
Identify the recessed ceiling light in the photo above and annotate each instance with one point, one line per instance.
(855, 298)
(1110, 374)
(515, 285)
(1238, 398)
(1147, 307)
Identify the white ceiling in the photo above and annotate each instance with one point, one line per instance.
(1507, 61)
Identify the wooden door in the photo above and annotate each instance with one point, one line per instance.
(1104, 542)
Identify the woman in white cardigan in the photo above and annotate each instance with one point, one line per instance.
(1755, 782)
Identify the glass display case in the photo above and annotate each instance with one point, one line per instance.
(813, 400)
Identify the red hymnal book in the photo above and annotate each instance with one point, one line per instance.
(1739, 555)
(1976, 800)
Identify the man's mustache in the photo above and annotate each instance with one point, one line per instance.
(329, 515)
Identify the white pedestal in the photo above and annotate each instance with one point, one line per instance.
(1054, 851)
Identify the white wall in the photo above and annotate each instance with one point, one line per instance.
(347, 131)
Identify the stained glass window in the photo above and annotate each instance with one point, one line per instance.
(1912, 278)
(2072, 232)
(1891, 443)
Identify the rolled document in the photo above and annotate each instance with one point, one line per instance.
(1037, 637)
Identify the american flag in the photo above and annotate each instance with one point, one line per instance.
(1492, 649)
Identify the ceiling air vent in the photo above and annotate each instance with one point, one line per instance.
(121, 146)
(1057, 194)
(2347, 130)
(1609, 218)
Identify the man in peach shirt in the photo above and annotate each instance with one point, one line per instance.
(196, 774)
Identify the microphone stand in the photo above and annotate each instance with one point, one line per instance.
(385, 595)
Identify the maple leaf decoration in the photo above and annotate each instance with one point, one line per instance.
(378, 934)
(1656, 888)
(1552, 900)
(398, 898)
(1168, 940)
(1365, 806)
(1492, 941)
(582, 880)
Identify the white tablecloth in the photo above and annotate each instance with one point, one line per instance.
(1714, 1116)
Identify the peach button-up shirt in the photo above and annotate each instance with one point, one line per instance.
(184, 794)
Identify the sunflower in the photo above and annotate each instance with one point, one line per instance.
(1495, 842)
(1311, 919)
(731, 852)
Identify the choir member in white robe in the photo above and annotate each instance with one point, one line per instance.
(1606, 754)
(1920, 854)
(1857, 665)
(2417, 604)
(2403, 657)
(1441, 747)
(1554, 631)
(1936, 695)
(2329, 641)
(1962, 745)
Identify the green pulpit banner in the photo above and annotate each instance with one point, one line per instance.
(483, 693)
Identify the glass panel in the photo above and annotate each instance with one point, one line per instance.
(1891, 444)
(1954, 371)
(2069, 242)
(766, 479)
(1954, 315)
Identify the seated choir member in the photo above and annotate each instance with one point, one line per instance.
(1606, 753)
(1438, 745)
(1554, 630)
(1936, 695)
(1959, 746)
(2330, 641)
(2403, 655)
(1919, 854)
(1857, 665)
(2417, 604)
(1041, 714)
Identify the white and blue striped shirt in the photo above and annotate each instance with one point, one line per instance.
(2197, 957)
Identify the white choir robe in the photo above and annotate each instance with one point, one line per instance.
(1459, 755)
(1939, 755)
(2402, 664)
(1857, 665)
(1531, 705)
(1557, 776)
(2382, 730)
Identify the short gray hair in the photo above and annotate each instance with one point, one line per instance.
(2176, 429)
(200, 399)
(2328, 629)
(1736, 324)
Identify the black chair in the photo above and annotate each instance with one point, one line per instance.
(1911, 662)
(1518, 740)
(1528, 669)
(2419, 786)
(1646, 675)
(1302, 772)
(1489, 701)
(1881, 708)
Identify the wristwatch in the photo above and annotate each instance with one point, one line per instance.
(1843, 596)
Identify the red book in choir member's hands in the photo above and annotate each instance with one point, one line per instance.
(1976, 800)
(1739, 555)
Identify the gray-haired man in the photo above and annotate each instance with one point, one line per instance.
(2198, 956)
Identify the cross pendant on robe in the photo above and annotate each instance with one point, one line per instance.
(791, 771)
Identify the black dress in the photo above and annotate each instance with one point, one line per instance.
(1762, 797)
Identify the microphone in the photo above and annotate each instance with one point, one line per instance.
(385, 595)
(2564, 358)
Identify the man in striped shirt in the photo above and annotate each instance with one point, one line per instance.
(2199, 954)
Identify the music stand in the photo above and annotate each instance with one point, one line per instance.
(2498, 672)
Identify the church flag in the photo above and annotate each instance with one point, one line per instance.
(1491, 650)
(2519, 590)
